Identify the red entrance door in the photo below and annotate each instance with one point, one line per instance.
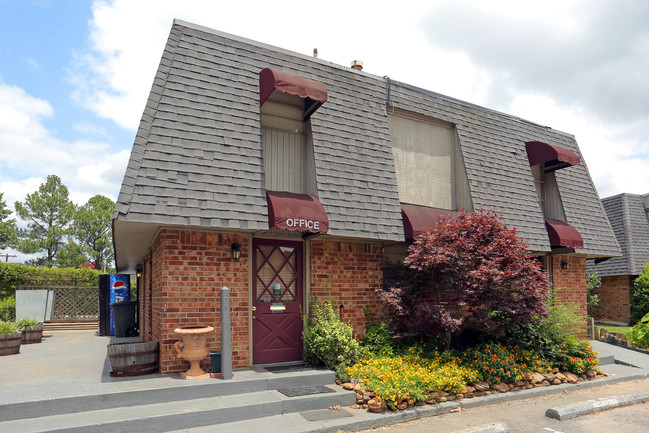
(277, 291)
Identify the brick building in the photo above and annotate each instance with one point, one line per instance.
(629, 217)
(313, 175)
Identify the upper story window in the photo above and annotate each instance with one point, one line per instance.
(287, 102)
(428, 162)
(544, 160)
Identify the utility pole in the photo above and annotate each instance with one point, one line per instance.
(6, 256)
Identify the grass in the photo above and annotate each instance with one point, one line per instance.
(623, 329)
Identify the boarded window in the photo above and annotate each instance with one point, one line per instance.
(427, 162)
(288, 152)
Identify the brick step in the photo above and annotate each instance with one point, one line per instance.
(178, 408)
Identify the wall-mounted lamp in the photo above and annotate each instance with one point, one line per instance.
(565, 265)
(236, 251)
(138, 271)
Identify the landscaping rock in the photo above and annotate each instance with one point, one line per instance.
(501, 387)
(591, 374)
(481, 386)
(570, 377)
(403, 405)
(536, 378)
(519, 383)
(348, 386)
(549, 377)
(359, 398)
(376, 406)
(556, 382)
(358, 387)
(469, 389)
(561, 377)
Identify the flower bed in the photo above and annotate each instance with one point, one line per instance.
(400, 381)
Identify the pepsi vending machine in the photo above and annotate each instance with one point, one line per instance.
(112, 288)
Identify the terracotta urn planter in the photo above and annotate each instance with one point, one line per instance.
(193, 349)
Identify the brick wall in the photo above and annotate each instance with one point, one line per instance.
(350, 273)
(570, 286)
(182, 285)
(614, 295)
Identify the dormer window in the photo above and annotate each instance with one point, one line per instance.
(287, 102)
(544, 160)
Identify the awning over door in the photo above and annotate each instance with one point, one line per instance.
(554, 157)
(303, 212)
(313, 92)
(563, 234)
(418, 219)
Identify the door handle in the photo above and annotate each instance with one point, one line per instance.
(253, 309)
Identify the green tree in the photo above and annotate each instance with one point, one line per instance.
(640, 296)
(49, 213)
(92, 228)
(7, 226)
(593, 282)
(71, 256)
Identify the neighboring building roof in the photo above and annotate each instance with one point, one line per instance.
(630, 222)
(197, 158)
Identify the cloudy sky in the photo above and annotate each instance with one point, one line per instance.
(75, 75)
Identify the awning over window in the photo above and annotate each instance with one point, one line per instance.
(302, 212)
(418, 219)
(563, 234)
(313, 92)
(554, 157)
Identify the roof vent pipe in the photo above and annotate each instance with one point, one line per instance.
(357, 64)
(315, 53)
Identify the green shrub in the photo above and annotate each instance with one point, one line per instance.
(28, 321)
(640, 296)
(575, 356)
(328, 340)
(551, 338)
(12, 276)
(8, 308)
(496, 363)
(8, 327)
(379, 340)
(639, 334)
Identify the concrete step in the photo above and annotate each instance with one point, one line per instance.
(187, 405)
(182, 414)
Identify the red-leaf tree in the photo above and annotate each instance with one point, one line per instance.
(469, 272)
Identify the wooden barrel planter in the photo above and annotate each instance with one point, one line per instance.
(133, 359)
(32, 334)
(10, 343)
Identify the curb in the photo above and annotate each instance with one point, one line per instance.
(589, 406)
(366, 420)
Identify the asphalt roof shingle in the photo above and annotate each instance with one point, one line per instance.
(197, 158)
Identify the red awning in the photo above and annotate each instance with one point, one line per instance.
(418, 219)
(554, 157)
(563, 234)
(314, 92)
(302, 212)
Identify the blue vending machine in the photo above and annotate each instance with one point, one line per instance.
(112, 288)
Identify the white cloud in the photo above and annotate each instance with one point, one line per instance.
(577, 66)
(30, 152)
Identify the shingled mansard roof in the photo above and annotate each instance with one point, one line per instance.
(630, 222)
(197, 158)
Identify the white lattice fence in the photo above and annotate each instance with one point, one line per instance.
(72, 302)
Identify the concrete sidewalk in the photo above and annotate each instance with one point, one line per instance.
(68, 364)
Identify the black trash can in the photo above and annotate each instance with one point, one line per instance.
(215, 355)
(124, 316)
